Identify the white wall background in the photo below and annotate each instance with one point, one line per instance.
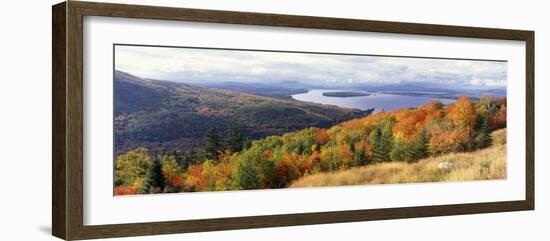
(25, 122)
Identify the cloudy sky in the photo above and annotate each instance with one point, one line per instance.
(201, 65)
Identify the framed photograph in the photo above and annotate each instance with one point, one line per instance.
(171, 120)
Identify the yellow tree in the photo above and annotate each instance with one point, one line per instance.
(462, 115)
(209, 170)
(131, 168)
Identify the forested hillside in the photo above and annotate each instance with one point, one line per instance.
(166, 116)
(406, 136)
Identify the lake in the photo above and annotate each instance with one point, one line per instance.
(378, 101)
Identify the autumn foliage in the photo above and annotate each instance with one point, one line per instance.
(126, 190)
(404, 135)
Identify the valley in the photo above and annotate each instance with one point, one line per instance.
(163, 115)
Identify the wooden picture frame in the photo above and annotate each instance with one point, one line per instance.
(67, 150)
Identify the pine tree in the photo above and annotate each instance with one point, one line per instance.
(484, 138)
(422, 150)
(213, 144)
(419, 149)
(269, 172)
(379, 153)
(387, 139)
(359, 155)
(382, 143)
(235, 140)
(155, 182)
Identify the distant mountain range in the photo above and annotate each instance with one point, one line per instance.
(285, 89)
(163, 115)
(433, 90)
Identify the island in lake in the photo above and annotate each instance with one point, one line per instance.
(345, 94)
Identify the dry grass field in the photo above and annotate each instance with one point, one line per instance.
(485, 164)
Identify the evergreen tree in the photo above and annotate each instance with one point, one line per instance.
(422, 148)
(270, 174)
(235, 140)
(155, 182)
(317, 146)
(387, 139)
(484, 138)
(213, 144)
(419, 149)
(382, 141)
(378, 149)
(359, 155)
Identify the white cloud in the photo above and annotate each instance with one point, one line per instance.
(187, 64)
